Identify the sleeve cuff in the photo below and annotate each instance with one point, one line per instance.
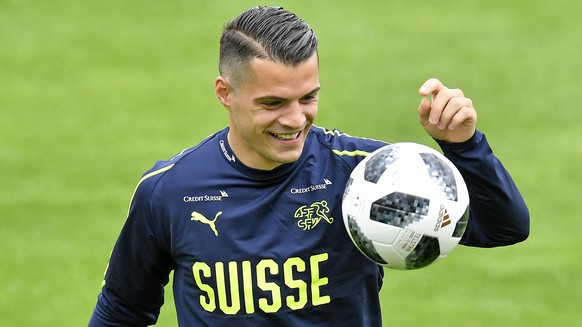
(461, 146)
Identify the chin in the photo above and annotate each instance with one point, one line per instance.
(290, 157)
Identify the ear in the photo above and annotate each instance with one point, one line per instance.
(223, 91)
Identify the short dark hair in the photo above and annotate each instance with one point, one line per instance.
(264, 32)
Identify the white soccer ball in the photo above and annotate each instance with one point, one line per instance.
(405, 206)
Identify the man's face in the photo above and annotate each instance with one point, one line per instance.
(271, 112)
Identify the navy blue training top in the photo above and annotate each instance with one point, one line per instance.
(269, 248)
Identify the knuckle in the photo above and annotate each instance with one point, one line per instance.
(458, 101)
(458, 92)
(461, 101)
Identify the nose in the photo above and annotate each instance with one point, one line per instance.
(293, 116)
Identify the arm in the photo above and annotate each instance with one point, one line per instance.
(499, 215)
(138, 270)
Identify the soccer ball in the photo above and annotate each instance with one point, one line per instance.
(405, 206)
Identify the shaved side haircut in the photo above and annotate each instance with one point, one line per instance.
(271, 33)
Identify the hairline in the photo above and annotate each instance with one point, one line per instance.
(243, 71)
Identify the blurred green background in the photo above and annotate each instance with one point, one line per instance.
(93, 92)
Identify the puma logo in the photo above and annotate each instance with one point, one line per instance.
(212, 223)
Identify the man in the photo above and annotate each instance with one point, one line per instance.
(234, 216)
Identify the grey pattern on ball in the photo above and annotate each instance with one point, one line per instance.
(441, 174)
(399, 209)
(462, 224)
(362, 242)
(377, 164)
(426, 251)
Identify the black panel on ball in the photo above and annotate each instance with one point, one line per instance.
(399, 209)
(426, 251)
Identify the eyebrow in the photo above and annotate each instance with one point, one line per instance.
(275, 97)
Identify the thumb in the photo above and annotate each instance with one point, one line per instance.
(424, 111)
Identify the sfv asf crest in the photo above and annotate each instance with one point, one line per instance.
(310, 215)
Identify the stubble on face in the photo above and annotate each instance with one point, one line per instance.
(271, 113)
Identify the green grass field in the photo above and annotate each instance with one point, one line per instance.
(93, 92)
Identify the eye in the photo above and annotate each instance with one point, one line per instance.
(272, 103)
(309, 98)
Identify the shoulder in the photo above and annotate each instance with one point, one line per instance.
(344, 145)
(192, 158)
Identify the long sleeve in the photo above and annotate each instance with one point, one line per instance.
(498, 213)
(138, 269)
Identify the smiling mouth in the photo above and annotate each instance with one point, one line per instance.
(286, 137)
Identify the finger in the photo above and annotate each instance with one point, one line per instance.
(424, 111)
(451, 110)
(440, 101)
(431, 86)
(465, 116)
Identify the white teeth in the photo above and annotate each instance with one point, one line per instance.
(287, 136)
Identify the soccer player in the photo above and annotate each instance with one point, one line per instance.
(250, 219)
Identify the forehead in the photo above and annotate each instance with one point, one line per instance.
(275, 78)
